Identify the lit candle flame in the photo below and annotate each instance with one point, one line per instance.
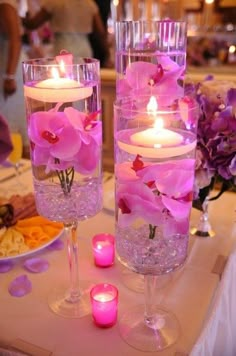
(232, 49)
(62, 66)
(158, 124)
(55, 73)
(152, 105)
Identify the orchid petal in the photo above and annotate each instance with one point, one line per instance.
(179, 210)
(36, 265)
(56, 245)
(20, 286)
(5, 266)
(139, 73)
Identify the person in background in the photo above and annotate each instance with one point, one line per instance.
(5, 140)
(71, 22)
(11, 56)
(98, 52)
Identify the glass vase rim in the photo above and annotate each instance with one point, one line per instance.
(48, 61)
(123, 103)
(168, 21)
(104, 287)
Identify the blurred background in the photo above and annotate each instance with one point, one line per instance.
(211, 27)
(211, 47)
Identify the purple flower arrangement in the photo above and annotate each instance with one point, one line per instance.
(216, 146)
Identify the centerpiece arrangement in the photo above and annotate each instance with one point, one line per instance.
(155, 132)
(63, 106)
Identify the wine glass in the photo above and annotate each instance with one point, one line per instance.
(154, 176)
(63, 106)
(17, 151)
(15, 159)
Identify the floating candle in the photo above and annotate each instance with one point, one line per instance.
(57, 89)
(104, 301)
(157, 136)
(103, 250)
(156, 141)
(156, 150)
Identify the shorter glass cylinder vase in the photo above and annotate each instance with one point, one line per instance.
(154, 170)
(154, 176)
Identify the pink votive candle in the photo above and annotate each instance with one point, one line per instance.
(103, 250)
(104, 300)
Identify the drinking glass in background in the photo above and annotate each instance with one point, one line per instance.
(16, 153)
(15, 158)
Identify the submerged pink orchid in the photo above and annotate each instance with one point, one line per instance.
(60, 140)
(136, 200)
(146, 191)
(65, 141)
(144, 78)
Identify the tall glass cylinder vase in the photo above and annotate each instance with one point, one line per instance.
(154, 171)
(150, 58)
(63, 107)
(151, 61)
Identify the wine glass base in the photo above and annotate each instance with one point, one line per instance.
(163, 333)
(61, 304)
(202, 233)
(135, 281)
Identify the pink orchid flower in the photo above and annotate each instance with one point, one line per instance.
(187, 111)
(144, 78)
(136, 200)
(58, 139)
(174, 181)
(167, 185)
(126, 171)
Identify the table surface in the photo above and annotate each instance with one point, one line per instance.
(188, 292)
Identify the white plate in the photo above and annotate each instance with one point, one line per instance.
(33, 250)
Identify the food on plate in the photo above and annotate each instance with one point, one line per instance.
(12, 243)
(38, 230)
(6, 215)
(21, 228)
(23, 205)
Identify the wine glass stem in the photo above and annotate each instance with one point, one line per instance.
(17, 166)
(150, 295)
(72, 251)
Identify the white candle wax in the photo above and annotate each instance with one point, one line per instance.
(54, 90)
(130, 141)
(153, 137)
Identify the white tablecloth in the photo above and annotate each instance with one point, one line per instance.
(189, 294)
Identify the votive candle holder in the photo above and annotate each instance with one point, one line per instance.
(104, 302)
(103, 249)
